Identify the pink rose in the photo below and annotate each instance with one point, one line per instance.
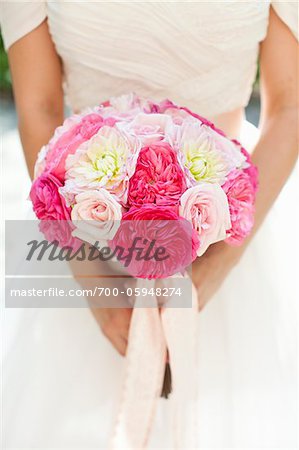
(96, 216)
(46, 200)
(206, 207)
(172, 242)
(158, 177)
(241, 193)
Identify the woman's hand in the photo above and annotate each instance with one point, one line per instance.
(114, 323)
(210, 270)
(112, 313)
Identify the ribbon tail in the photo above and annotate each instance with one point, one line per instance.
(145, 364)
(180, 328)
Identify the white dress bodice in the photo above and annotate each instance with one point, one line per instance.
(199, 54)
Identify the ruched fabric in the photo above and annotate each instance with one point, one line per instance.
(199, 54)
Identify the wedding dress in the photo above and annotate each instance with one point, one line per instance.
(62, 378)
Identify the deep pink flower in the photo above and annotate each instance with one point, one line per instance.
(47, 203)
(158, 177)
(52, 211)
(69, 141)
(60, 231)
(241, 194)
(152, 212)
(168, 231)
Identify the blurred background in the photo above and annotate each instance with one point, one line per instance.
(15, 179)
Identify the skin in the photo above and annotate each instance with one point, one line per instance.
(37, 82)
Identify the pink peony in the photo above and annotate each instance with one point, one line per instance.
(158, 177)
(162, 227)
(152, 212)
(46, 200)
(241, 193)
(205, 206)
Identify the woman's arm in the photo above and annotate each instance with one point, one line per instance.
(37, 84)
(275, 154)
(276, 151)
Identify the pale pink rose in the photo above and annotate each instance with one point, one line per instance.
(149, 128)
(206, 207)
(241, 193)
(96, 216)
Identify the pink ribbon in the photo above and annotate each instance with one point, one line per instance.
(152, 332)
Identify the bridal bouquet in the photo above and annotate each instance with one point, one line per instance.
(128, 170)
(130, 160)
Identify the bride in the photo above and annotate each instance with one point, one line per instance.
(62, 375)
